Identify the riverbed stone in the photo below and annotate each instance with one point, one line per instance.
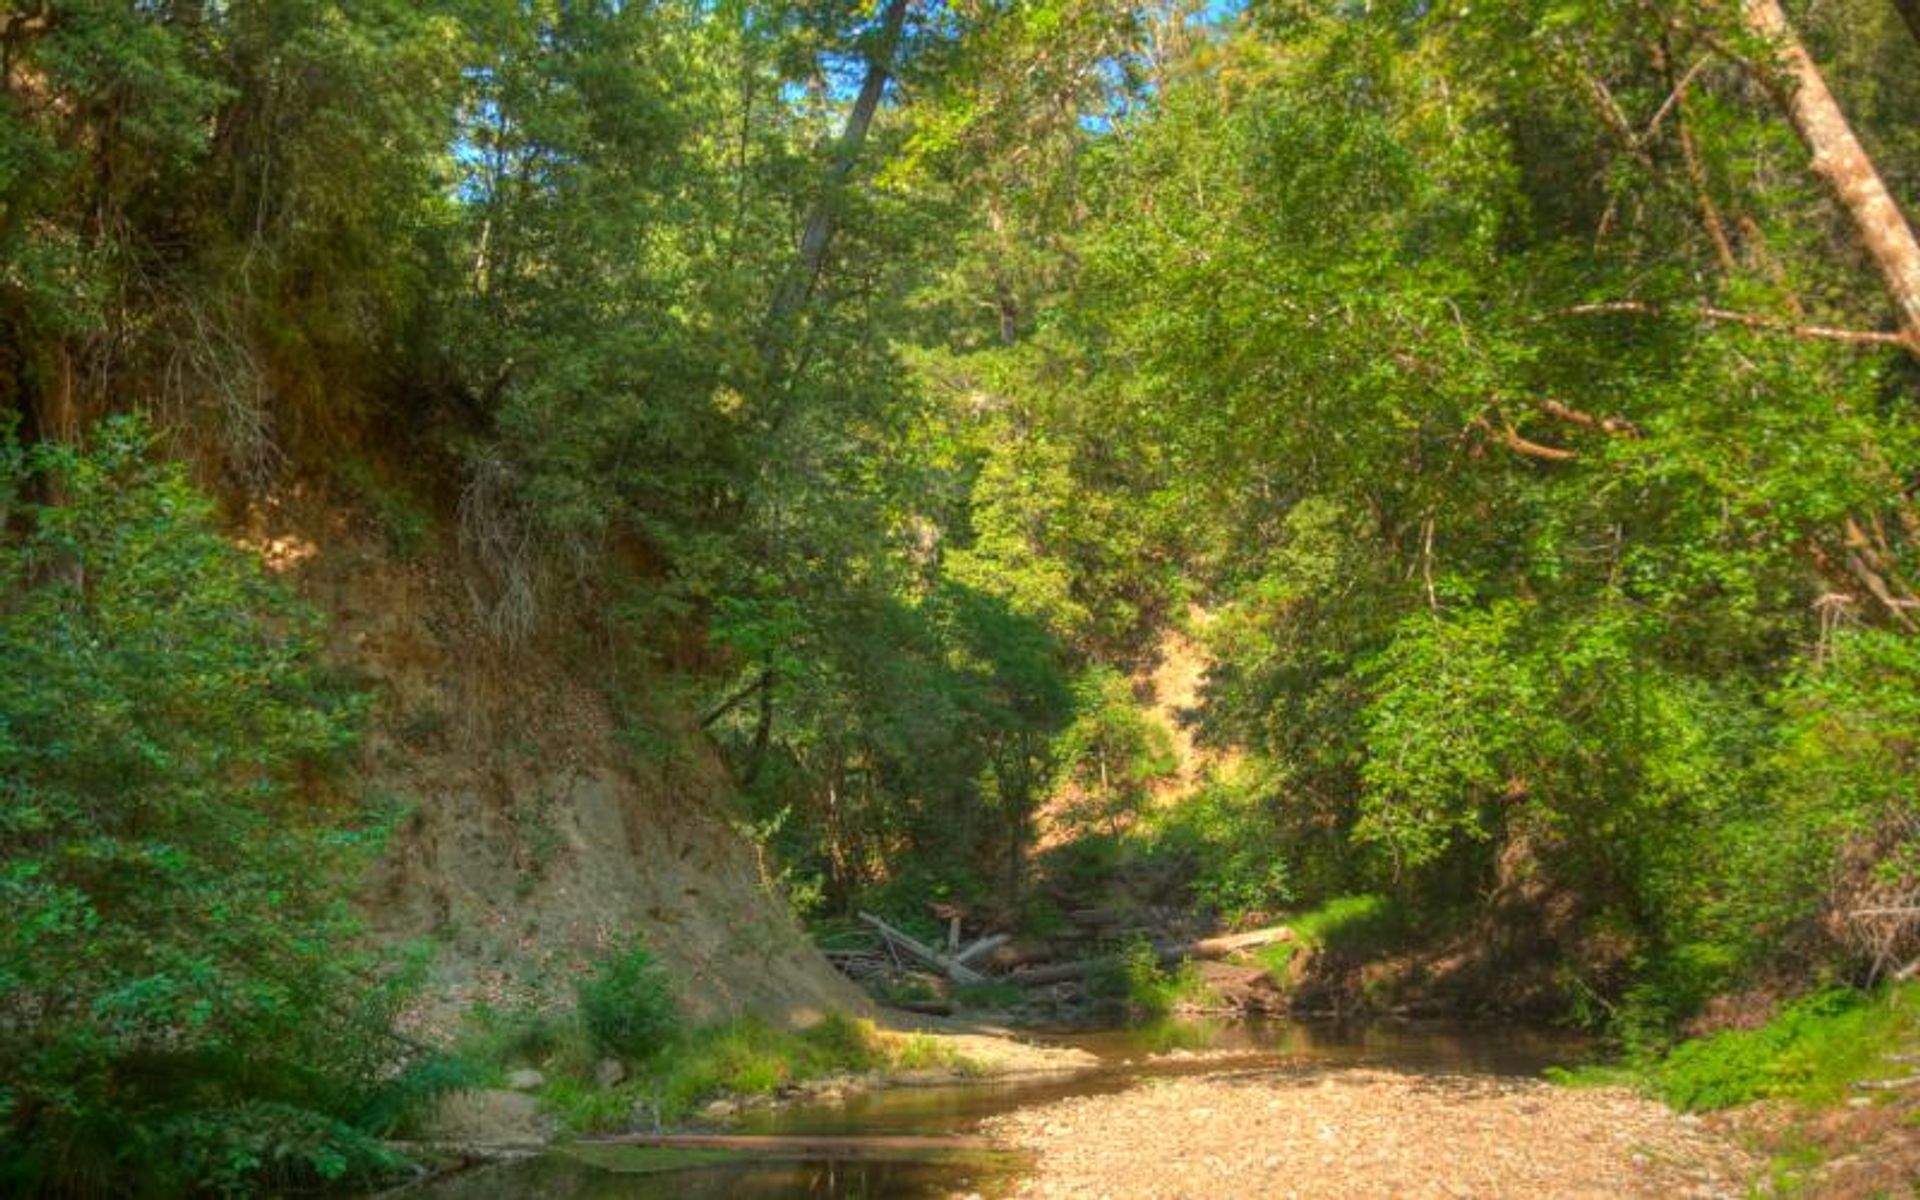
(526, 1079)
(609, 1072)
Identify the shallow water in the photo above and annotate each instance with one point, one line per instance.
(564, 1179)
(1127, 1055)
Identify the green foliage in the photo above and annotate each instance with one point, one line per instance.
(993, 995)
(1358, 927)
(1230, 843)
(1472, 638)
(627, 1005)
(1363, 328)
(743, 1058)
(1811, 1051)
(1353, 924)
(172, 852)
(404, 523)
(1135, 981)
(1111, 753)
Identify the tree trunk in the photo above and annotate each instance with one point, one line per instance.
(797, 287)
(1167, 952)
(955, 970)
(762, 730)
(1910, 12)
(1839, 159)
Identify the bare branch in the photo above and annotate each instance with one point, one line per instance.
(1512, 439)
(1755, 321)
(1672, 101)
(1840, 160)
(1574, 416)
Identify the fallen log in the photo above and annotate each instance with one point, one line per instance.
(985, 945)
(1234, 943)
(1167, 952)
(955, 970)
(804, 1146)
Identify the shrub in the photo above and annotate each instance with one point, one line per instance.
(185, 1009)
(1811, 1051)
(1808, 1052)
(627, 1005)
(1136, 981)
(1228, 837)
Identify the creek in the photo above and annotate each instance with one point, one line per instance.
(1127, 1057)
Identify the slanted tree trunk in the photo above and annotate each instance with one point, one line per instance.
(795, 289)
(762, 730)
(1910, 12)
(1839, 159)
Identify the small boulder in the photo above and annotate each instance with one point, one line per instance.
(609, 1072)
(526, 1079)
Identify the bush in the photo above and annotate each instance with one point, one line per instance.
(1229, 839)
(185, 1009)
(627, 1005)
(750, 1058)
(1810, 1051)
(1136, 981)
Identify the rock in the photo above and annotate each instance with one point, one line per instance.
(720, 1110)
(609, 1072)
(526, 1079)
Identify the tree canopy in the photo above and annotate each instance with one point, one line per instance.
(1517, 401)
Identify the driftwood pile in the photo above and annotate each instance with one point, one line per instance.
(896, 952)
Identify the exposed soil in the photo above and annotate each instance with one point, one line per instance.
(1370, 1133)
(1864, 1149)
(542, 828)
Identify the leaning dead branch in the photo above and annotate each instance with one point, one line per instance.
(1755, 321)
(954, 969)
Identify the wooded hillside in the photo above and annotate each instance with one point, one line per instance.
(1515, 404)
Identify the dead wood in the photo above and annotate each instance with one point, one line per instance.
(955, 970)
(1167, 952)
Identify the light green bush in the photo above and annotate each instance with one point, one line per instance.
(627, 1005)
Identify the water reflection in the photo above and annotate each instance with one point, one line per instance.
(564, 1179)
(1441, 1046)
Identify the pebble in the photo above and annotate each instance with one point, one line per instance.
(1370, 1133)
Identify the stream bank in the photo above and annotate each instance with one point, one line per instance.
(1367, 1132)
(1085, 1133)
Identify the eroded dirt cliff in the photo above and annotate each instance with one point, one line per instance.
(537, 828)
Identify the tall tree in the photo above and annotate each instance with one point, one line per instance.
(798, 282)
(1843, 163)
